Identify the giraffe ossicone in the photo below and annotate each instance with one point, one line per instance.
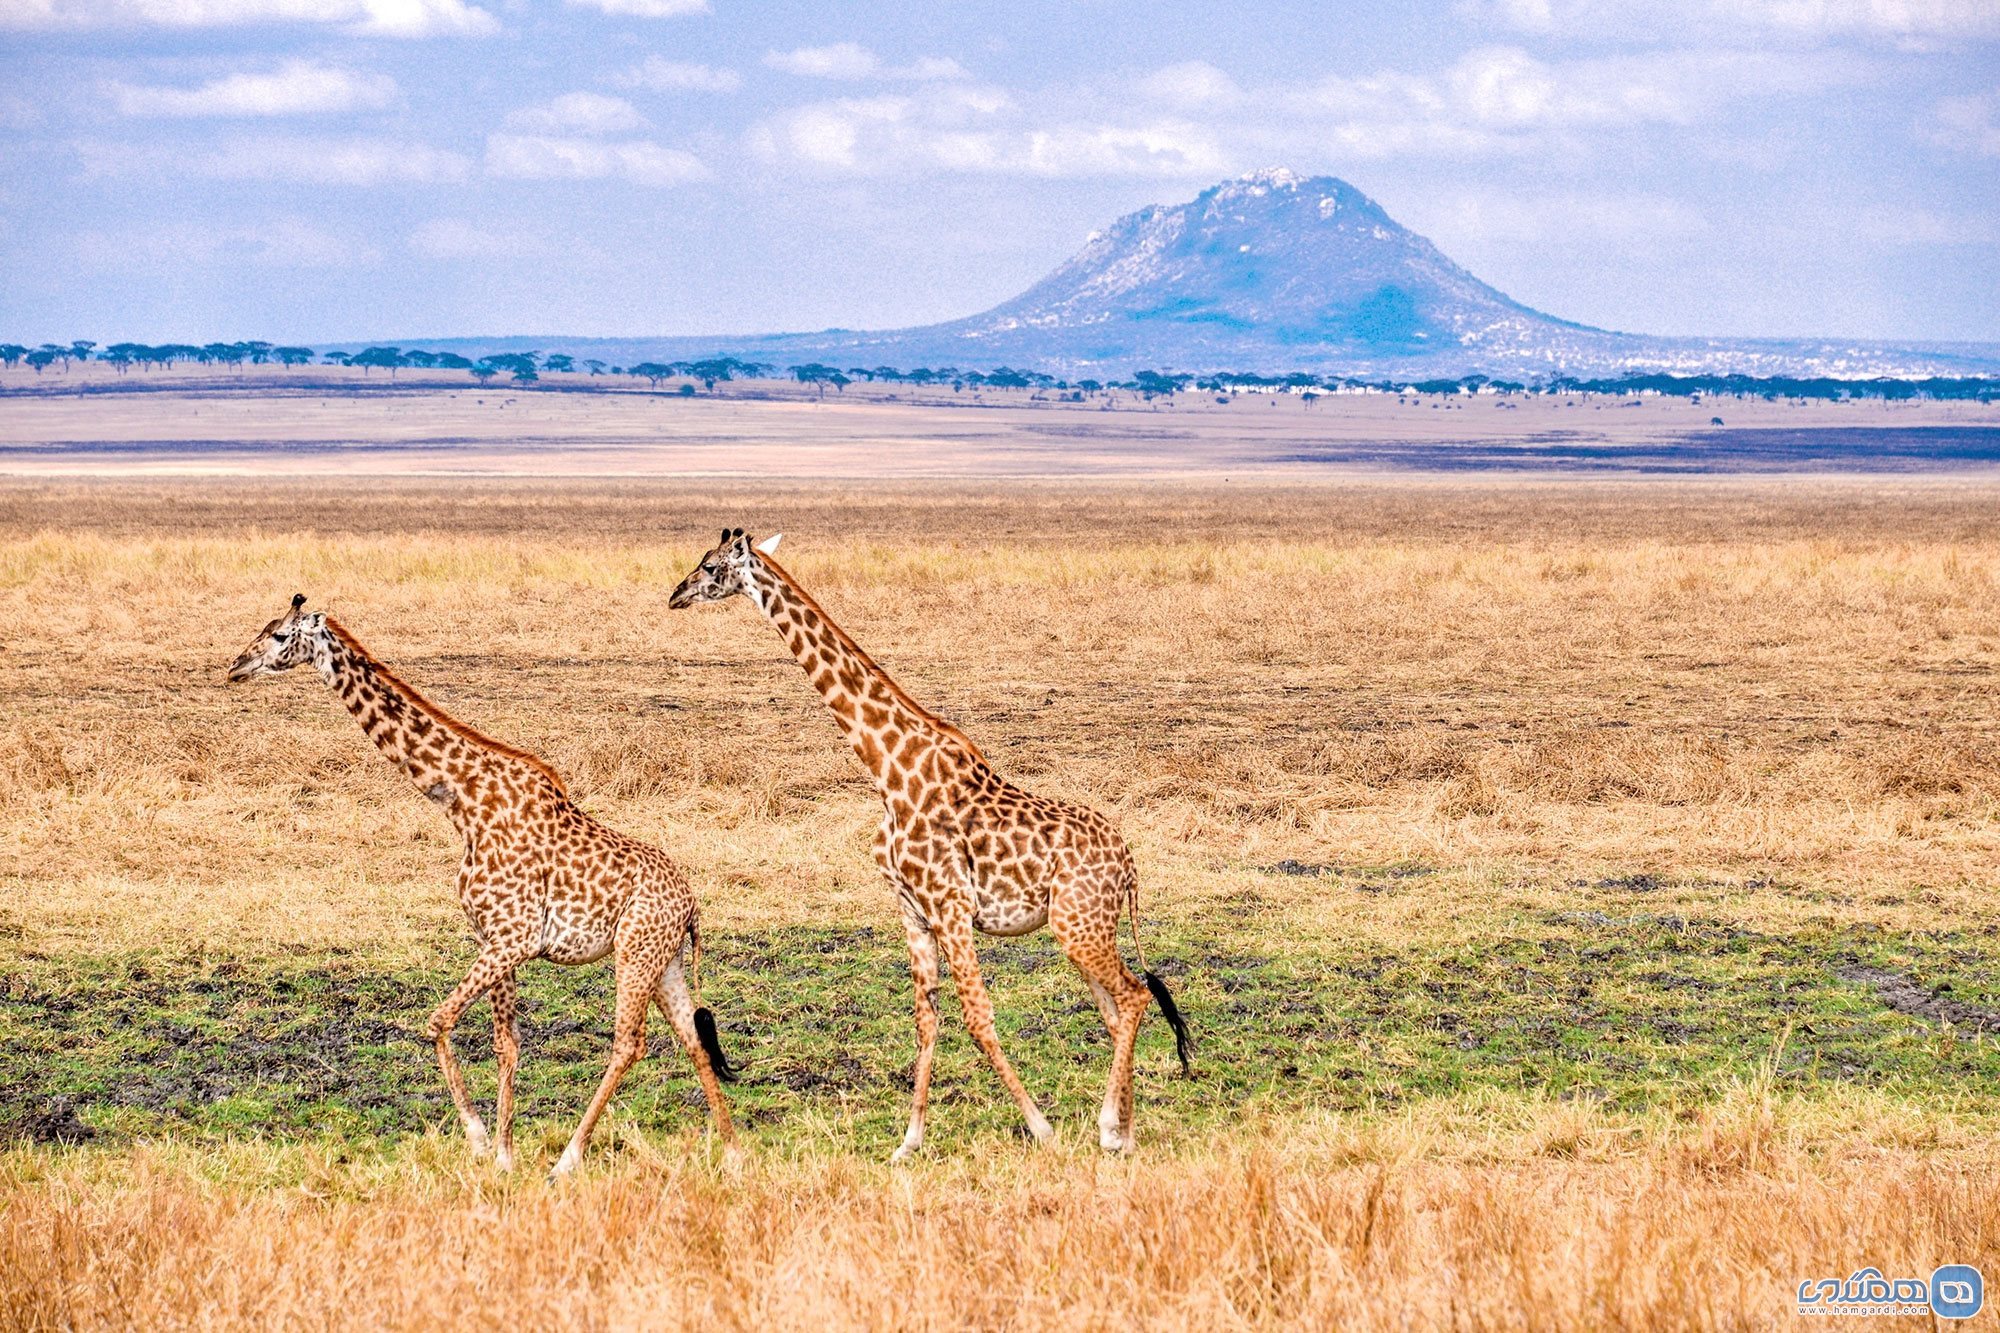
(964, 849)
(538, 878)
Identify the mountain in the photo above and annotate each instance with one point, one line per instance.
(1278, 272)
(1268, 270)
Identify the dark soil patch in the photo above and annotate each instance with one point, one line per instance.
(1907, 996)
(54, 1121)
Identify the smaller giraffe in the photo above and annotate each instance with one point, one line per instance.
(539, 878)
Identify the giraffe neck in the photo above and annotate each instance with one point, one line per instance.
(874, 714)
(442, 756)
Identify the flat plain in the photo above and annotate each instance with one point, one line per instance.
(335, 421)
(1580, 889)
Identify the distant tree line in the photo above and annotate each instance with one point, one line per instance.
(528, 367)
(1979, 388)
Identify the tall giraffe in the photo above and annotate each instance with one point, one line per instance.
(539, 879)
(964, 849)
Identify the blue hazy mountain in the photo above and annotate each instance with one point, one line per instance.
(1278, 272)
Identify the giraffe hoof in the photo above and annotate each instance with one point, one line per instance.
(912, 1141)
(503, 1160)
(1112, 1141)
(476, 1136)
(564, 1165)
(1042, 1132)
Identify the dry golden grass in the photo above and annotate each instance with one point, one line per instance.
(1518, 684)
(1490, 1216)
(1778, 699)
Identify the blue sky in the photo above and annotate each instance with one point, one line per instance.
(340, 169)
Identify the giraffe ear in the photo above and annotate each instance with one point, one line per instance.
(770, 543)
(724, 540)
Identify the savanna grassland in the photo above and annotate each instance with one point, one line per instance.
(1581, 892)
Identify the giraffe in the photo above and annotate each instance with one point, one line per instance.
(963, 848)
(539, 878)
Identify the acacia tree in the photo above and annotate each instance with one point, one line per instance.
(293, 356)
(11, 354)
(820, 376)
(390, 358)
(521, 365)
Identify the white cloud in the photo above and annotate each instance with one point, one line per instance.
(646, 9)
(298, 87)
(375, 18)
(19, 113)
(665, 76)
(975, 129)
(1625, 19)
(286, 242)
(842, 60)
(1502, 100)
(1969, 123)
(1907, 227)
(455, 238)
(1519, 219)
(422, 18)
(312, 161)
(549, 157)
(848, 60)
(1192, 119)
(579, 113)
(1191, 85)
(925, 68)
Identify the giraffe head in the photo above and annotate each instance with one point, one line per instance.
(725, 571)
(283, 644)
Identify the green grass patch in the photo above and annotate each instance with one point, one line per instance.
(1635, 1011)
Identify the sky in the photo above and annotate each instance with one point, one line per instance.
(337, 170)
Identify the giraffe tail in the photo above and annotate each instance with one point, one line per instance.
(704, 1017)
(711, 1042)
(1183, 1043)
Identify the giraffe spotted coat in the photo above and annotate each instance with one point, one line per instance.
(539, 878)
(964, 849)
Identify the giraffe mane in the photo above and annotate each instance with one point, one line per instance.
(902, 696)
(472, 735)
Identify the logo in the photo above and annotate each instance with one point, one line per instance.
(1955, 1291)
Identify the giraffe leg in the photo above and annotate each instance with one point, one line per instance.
(1107, 1008)
(1121, 1000)
(507, 1051)
(639, 972)
(487, 971)
(924, 979)
(956, 937)
(677, 1003)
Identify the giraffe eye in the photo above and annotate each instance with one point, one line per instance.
(280, 638)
